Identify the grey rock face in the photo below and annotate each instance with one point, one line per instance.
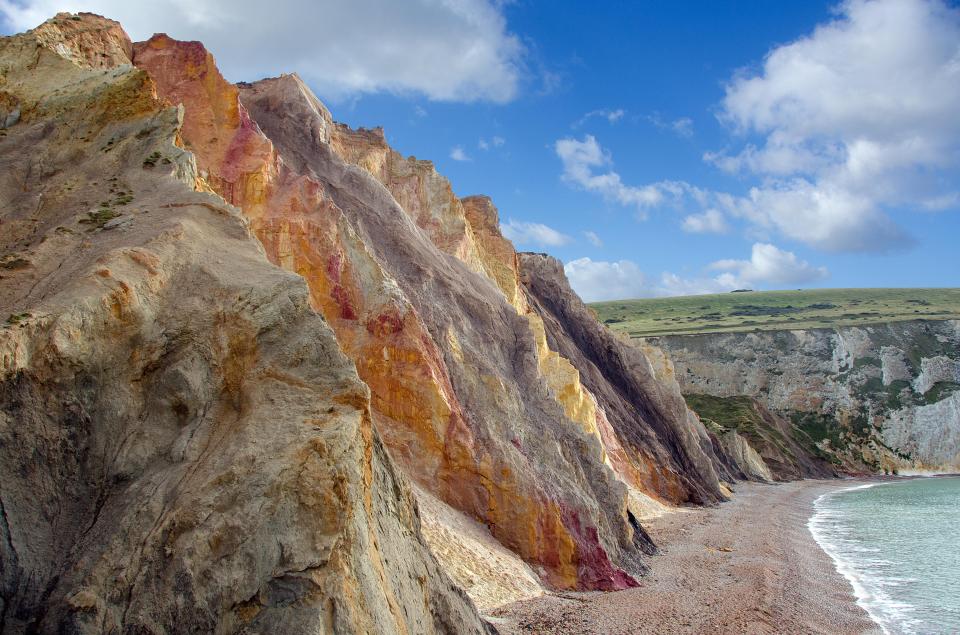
(889, 388)
(747, 460)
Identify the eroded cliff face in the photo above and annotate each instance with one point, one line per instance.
(183, 445)
(458, 387)
(473, 399)
(208, 409)
(658, 446)
(872, 398)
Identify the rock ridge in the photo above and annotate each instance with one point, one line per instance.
(220, 381)
(184, 447)
(878, 398)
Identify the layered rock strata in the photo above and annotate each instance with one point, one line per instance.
(454, 371)
(183, 445)
(662, 449)
(423, 293)
(218, 458)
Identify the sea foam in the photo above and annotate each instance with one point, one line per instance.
(874, 543)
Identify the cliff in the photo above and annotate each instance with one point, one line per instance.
(453, 369)
(647, 415)
(183, 445)
(240, 331)
(869, 398)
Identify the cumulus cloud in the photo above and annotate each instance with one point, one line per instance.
(524, 233)
(456, 50)
(598, 280)
(593, 238)
(768, 264)
(857, 118)
(711, 221)
(586, 165)
(841, 128)
(458, 154)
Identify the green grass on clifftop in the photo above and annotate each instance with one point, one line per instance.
(776, 310)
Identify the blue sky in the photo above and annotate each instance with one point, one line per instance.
(655, 147)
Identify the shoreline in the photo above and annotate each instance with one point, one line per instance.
(750, 565)
(869, 587)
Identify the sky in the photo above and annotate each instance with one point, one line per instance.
(656, 148)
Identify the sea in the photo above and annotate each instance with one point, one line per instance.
(898, 543)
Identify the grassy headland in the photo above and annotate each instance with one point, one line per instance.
(776, 310)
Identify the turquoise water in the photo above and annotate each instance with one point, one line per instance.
(898, 543)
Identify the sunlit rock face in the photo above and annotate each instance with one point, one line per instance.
(458, 388)
(417, 287)
(658, 446)
(183, 445)
(425, 196)
(875, 398)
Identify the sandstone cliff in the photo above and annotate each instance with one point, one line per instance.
(661, 447)
(424, 295)
(183, 445)
(872, 398)
(457, 389)
(221, 300)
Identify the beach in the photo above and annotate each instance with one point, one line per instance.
(747, 566)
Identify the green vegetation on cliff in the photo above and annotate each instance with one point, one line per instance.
(790, 449)
(776, 310)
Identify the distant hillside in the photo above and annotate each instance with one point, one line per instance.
(776, 310)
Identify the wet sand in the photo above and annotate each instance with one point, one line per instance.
(747, 566)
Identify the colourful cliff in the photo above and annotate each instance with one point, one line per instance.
(290, 292)
(183, 445)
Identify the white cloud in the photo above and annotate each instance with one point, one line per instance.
(457, 154)
(494, 142)
(821, 214)
(582, 160)
(711, 221)
(858, 118)
(769, 264)
(524, 233)
(597, 280)
(455, 50)
(842, 127)
(682, 126)
(611, 115)
(593, 238)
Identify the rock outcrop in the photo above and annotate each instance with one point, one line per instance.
(183, 445)
(238, 329)
(761, 443)
(660, 446)
(872, 398)
(457, 389)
